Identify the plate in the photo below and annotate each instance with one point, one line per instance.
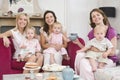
(31, 65)
(53, 67)
(31, 68)
(76, 76)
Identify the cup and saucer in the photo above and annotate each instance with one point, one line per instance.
(73, 36)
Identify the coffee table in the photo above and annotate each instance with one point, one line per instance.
(45, 75)
(32, 75)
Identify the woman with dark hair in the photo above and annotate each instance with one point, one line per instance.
(82, 65)
(49, 19)
(46, 25)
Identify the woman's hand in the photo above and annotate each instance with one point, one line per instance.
(76, 41)
(6, 41)
(56, 46)
(105, 55)
(78, 51)
(94, 49)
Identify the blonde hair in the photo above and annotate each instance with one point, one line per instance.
(31, 28)
(18, 17)
(57, 23)
(100, 28)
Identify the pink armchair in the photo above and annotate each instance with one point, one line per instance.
(8, 65)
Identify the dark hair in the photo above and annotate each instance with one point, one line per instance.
(105, 20)
(46, 27)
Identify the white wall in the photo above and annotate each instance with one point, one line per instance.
(78, 16)
(73, 14)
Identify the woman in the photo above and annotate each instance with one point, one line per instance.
(82, 65)
(18, 34)
(49, 19)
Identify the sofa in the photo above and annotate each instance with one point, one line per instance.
(8, 65)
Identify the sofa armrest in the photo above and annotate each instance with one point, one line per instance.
(5, 58)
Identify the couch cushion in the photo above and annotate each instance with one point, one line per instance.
(17, 65)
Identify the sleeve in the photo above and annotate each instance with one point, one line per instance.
(38, 46)
(109, 44)
(91, 35)
(88, 45)
(111, 33)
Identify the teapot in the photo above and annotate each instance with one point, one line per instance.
(68, 73)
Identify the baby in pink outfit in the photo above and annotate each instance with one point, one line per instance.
(54, 39)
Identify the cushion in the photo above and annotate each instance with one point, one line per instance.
(17, 65)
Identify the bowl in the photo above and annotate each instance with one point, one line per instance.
(73, 36)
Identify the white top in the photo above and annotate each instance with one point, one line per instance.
(17, 39)
(101, 45)
(31, 46)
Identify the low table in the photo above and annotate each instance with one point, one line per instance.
(45, 75)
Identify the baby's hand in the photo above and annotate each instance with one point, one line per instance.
(76, 41)
(105, 55)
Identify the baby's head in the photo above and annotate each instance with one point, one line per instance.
(30, 33)
(57, 27)
(99, 32)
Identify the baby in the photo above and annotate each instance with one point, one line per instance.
(30, 46)
(56, 38)
(102, 44)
